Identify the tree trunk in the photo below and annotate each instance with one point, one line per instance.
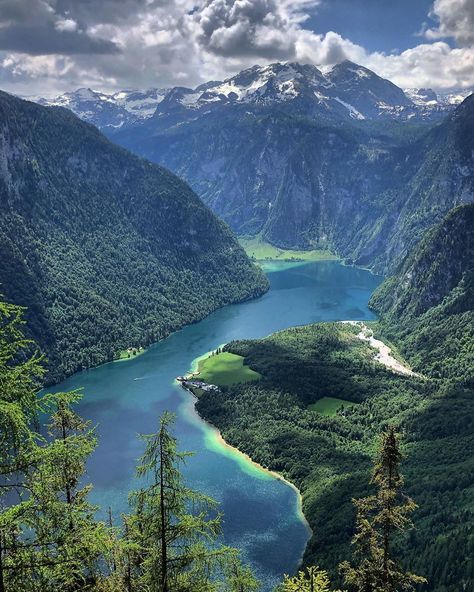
(66, 471)
(2, 582)
(386, 534)
(164, 555)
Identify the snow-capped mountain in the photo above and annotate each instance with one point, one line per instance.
(347, 91)
(431, 104)
(109, 110)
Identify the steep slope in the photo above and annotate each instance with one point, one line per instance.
(367, 189)
(106, 250)
(427, 307)
(443, 165)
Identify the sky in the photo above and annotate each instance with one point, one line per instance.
(52, 46)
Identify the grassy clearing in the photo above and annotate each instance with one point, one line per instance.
(224, 369)
(329, 405)
(129, 354)
(259, 250)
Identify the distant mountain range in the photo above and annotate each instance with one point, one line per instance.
(341, 159)
(109, 110)
(345, 91)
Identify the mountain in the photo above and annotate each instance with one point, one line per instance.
(340, 159)
(109, 110)
(367, 189)
(433, 105)
(105, 249)
(347, 91)
(427, 306)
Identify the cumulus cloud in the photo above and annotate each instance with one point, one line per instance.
(257, 28)
(65, 25)
(113, 44)
(36, 27)
(456, 19)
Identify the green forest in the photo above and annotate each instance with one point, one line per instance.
(427, 306)
(329, 457)
(103, 253)
(169, 540)
(106, 250)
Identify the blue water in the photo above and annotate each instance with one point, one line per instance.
(261, 515)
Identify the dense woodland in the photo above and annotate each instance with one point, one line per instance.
(427, 312)
(106, 250)
(427, 307)
(328, 457)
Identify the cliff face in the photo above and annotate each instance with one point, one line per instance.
(440, 264)
(427, 307)
(367, 189)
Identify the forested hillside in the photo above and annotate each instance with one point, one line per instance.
(287, 422)
(367, 189)
(105, 249)
(427, 307)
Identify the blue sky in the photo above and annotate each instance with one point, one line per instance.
(377, 25)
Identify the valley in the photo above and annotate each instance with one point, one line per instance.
(125, 398)
(294, 246)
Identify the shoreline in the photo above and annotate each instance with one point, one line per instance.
(219, 438)
(270, 472)
(236, 452)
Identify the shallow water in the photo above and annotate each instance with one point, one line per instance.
(261, 513)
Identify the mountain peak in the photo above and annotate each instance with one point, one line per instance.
(346, 91)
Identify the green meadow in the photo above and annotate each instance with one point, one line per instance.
(330, 405)
(225, 369)
(260, 250)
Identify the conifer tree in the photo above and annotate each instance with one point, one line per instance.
(312, 579)
(49, 539)
(381, 519)
(20, 377)
(170, 537)
(238, 577)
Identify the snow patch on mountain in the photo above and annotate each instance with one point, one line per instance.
(352, 110)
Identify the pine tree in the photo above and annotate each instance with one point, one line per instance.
(312, 579)
(49, 539)
(170, 539)
(20, 377)
(381, 519)
(238, 577)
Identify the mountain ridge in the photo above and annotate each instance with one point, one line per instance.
(105, 249)
(427, 306)
(270, 83)
(366, 189)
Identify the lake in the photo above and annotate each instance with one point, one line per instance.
(261, 513)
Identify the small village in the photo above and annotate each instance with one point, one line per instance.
(188, 382)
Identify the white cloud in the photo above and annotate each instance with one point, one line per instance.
(186, 42)
(456, 19)
(65, 25)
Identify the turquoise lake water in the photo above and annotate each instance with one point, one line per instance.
(261, 513)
